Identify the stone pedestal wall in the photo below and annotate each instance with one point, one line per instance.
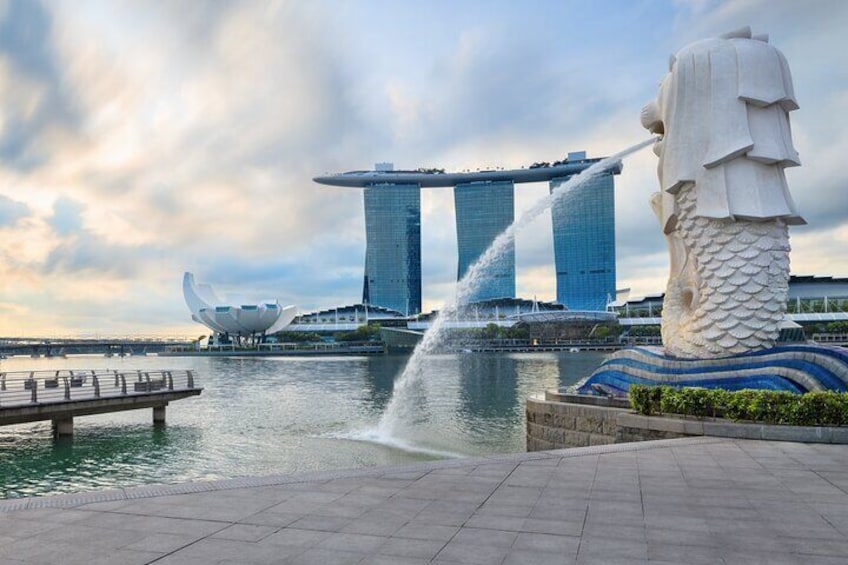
(557, 421)
(553, 424)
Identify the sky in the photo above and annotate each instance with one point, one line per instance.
(139, 140)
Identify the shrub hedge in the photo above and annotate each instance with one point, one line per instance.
(820, 408)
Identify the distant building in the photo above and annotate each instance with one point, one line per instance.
(812, 300)
(393, 247)
(346, 318)
(584, 242)
(584, 230)
(234, 319)
(483, 211)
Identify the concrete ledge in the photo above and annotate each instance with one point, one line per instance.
(608, 401)
(736, 430)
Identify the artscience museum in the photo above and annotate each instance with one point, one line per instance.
(234, 319)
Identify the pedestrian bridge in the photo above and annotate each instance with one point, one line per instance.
(59, 396)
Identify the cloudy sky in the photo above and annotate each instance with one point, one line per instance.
(142, 139)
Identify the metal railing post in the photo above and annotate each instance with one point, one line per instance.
(190, 379)
(123, 384)
(170, 380)
(2, 381)
(34, 387)
(96, 385)
(67, 388)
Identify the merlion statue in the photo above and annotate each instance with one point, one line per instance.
(724, 204)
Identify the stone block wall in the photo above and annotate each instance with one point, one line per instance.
(556, 425)
(557, 421)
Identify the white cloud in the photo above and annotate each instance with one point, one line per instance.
(141, 140)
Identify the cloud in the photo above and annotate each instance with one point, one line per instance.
(67, 216)
(33, 101)
(11, 211)
(141, 140)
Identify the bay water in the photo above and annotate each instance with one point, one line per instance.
(281, 415)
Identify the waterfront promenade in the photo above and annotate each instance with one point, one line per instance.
(703, 500)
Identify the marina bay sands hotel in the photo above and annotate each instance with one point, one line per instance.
(583, 230)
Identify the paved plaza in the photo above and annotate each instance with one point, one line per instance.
(699, 500)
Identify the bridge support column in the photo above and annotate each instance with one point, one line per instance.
(159, 414)
(63, 427)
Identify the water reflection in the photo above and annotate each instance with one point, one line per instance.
(32, 463)
(380, 378)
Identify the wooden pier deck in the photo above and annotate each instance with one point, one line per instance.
(62, 395)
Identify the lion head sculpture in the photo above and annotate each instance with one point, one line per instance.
(722, 111)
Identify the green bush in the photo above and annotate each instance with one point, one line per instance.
(820, 408)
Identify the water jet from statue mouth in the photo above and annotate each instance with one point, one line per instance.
(398, 417)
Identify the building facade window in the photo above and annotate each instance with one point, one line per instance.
(483, 211)
(393, 247)
(584, 243)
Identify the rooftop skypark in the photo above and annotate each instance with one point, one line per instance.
(430, 177)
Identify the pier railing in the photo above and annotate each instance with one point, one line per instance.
(46, 387)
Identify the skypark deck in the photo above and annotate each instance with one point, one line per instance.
(432, 178)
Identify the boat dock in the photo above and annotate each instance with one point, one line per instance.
(60, 396)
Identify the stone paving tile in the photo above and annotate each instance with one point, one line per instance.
(565, 545)
(494, 522)
(677, 553)
(213, 550)
(375, 526)
(245, 532)
(608, 560)
(295, 537)
(751, 556)
(471, 553)
(514, 510)
(25, 528)
(140, 523)
(415, 530)
(819, 547)
(684, 501)
(555, 527)
(161, 543)
(478, 536)
(324, 557)
(49, 515)
(606, 548)
(203, 512)
(122, 556)
(392, 560)
(681, 537)
(555, 512)
(400, 505)
(446, 513)
(411, 548)
(92, 537)
(274, 519)
(357, 543)
(321, 523)
(614, 531)
(529, 556)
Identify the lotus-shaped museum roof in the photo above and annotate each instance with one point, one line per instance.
(234, 317)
